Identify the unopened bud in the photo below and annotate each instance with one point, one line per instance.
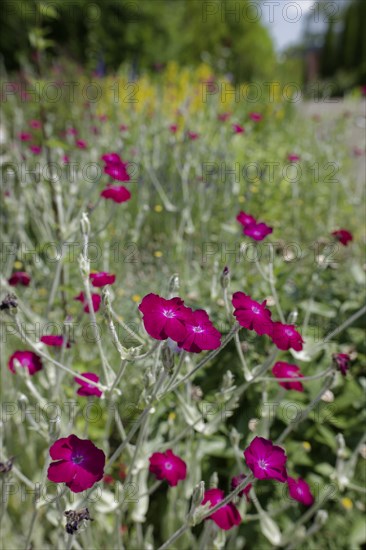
(167, 357)
(321, 517)
(225, 277)
(198, 493)
(328, 397)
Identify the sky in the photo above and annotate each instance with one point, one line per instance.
(286, 19)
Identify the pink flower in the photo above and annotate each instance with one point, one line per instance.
(286, 337)
(343, 236)
(117, 171)
(238, 129)
(266, 461)
(256, 117)
(36, 149)
(342, 361)
(251, 314)
(357, 151)
(257, 231)
(27, 359)
(292, 157)
(193, 135)
(116, 193)
(236, 481)
(245, 219)
(225, 517)
(168, 466)
(173, 128)
(112, 158)
(286, 370)
(102, 279)
(66, 159)
(24, 136)
(123, 128)
(86, 389)
(164, 318)
(201, 334)
(223, 116)
(19, 278)
(53, 341)
(80, 464)
(299, 490)
(36, 124)
(96, 300)
(81, 144)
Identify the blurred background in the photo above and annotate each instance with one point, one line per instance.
(303, 41)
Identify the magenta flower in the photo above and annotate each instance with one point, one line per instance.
(24, 136)
(66, 159)
(123, 128)
(164, 318)
(201, 334)
(173, 128)
(193, 135)
(238, 129)
(257, 231)
(251, 314)
(286, 337)
(265, 460)
(86, 389)
(36, 149)
(81, 144)
(112, 158)
(236, 481)
(36, 124)
(168, 466)
(96, 300)
(80, 464)
(343, 236)
(116, 193)
(117, 171)
(245, 219)
(299, 490)
(27, 359)
(223, 116)
(286, 370)
(225, 517)
(292, 157)
(19, 278)
(54, 341)
(342, 361)
(256, 117)
(102, 279)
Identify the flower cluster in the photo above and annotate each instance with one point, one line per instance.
(117, 170)
(192, 330)
(253, 229)
(255, 316)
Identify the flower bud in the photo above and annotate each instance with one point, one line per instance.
(225, 277)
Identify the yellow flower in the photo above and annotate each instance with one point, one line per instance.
(158, 253)
(347, 503)
(241, 199)
(172, 416)
(306, 446)
(136, 298)
(18, 264)
(158, 208)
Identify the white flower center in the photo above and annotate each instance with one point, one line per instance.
(169, 313)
